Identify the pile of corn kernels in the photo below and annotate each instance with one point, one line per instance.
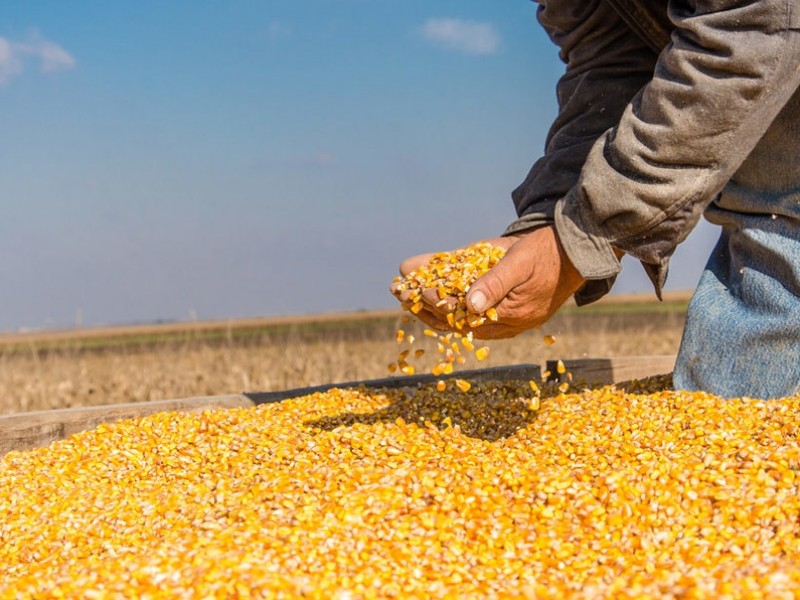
(353, 493)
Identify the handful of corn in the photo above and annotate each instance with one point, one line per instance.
(450, 274)
(607, 493)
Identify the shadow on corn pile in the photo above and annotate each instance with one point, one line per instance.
(489, 411)
(647, 385)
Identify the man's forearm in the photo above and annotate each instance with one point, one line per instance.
(716, 89)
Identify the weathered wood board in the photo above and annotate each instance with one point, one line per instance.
(24, 431)
(602, 371)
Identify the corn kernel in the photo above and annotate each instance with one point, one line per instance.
(627, 491)
(463, 384)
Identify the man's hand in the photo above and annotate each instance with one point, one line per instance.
(527, 286)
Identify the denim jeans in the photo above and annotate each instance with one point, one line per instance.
(742, 332)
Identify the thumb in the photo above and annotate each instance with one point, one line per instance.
(495, 285)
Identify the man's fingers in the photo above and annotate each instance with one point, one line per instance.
(432, 320)
(495, 285)
(495, 331)
(413, 263)
(436, 305)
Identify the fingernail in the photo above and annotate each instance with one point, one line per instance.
(478, 300)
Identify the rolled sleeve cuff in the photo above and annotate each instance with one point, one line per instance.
(533, 218)
(528, 223)
(590, 253)
(593, 289)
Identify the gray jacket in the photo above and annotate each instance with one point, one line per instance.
(660, 105)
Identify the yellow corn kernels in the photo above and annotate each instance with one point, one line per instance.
(482, 353)
(489, 493)
(451, 274)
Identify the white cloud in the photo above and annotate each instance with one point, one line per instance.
(15, 55)
(469, 37)
(10, 65)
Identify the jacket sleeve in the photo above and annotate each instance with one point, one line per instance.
(729, 69)
(606, 65)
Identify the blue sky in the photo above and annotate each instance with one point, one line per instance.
(224, 159)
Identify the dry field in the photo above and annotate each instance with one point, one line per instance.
(137, 364)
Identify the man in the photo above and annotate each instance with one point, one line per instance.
(667, 110)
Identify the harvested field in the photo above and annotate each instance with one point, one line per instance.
(136, 364)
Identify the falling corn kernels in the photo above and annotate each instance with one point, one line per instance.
(451, 274)
(482, 353)
(549, 340)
